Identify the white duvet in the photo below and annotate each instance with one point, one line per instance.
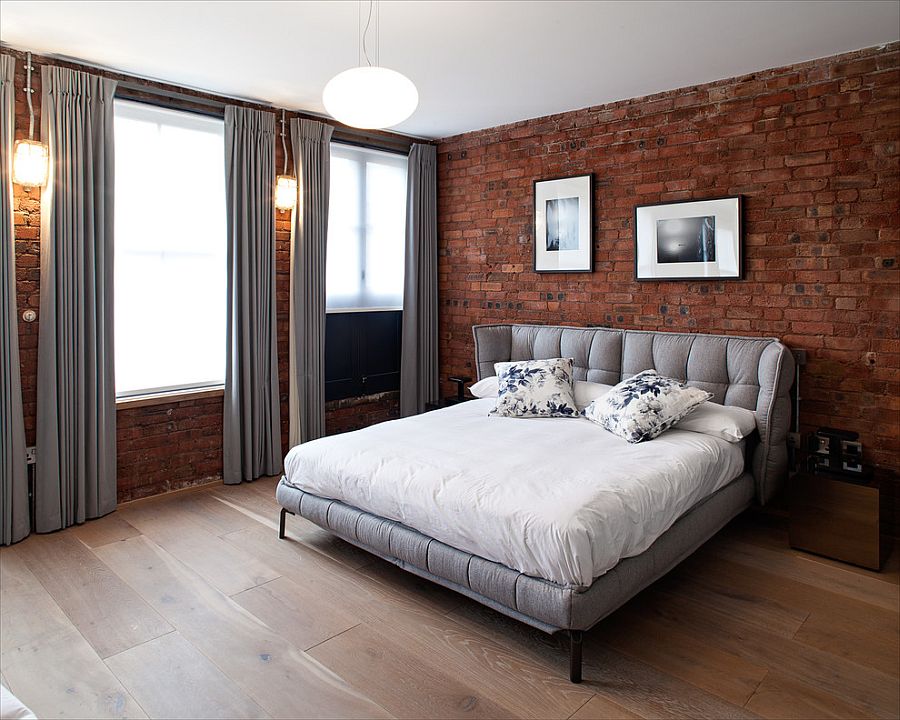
(561, 498)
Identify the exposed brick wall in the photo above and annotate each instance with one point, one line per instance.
(355, 413)
(178, 444)
(167, 447)
(814, 150)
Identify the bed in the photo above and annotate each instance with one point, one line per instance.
(554, 522)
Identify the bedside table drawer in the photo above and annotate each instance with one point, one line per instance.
(836, 518)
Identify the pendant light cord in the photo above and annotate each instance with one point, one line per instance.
(365, 32)
(283, 144)
(28, 93)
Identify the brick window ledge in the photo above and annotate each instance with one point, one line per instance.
(167, 398)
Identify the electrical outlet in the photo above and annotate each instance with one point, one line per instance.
(794, 440)
(30, 455)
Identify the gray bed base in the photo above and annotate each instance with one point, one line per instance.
(754, 373)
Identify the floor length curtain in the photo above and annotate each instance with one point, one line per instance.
(312, 147)
(419, 352)
(76, 409)
(14, 515)
(252, 425)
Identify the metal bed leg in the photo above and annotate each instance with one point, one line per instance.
(575, 643)
(284, 513)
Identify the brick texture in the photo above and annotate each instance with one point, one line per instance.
(179, 444)
(814, 150)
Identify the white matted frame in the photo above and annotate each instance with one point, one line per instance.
(564, 224)
(693, 240)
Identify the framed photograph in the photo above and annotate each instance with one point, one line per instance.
(563, 224)
(693, 240)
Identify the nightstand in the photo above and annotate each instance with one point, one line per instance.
(837, 517)
(460, 396)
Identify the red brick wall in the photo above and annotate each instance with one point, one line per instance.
(813, 149)
(179, 443)
(355, 413)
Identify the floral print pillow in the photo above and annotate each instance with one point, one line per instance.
(644, 406)
(535, 388)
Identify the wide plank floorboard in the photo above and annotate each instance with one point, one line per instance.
(110, 615)
(44, 660)
(378, 666)
(170, 678)
(188, 605)
(224, 566)
(283, 680)
(627, 682)
(102, 531)
(869, 689)
(780, 697)
(296, 611)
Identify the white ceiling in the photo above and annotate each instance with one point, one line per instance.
(476, 63)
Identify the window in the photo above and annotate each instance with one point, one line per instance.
(366, 228)
(366, 239)
(170, 245)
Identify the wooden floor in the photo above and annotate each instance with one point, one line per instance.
(189, 606)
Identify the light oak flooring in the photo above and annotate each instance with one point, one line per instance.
(189, 606)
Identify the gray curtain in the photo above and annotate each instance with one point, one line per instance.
(419, 353)
(252, 423)
(312, 162)
(14, 520)
(76, 405)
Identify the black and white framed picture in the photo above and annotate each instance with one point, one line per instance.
(563, 224)
(689, 240)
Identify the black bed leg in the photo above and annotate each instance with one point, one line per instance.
(284, 513)
(575, 642)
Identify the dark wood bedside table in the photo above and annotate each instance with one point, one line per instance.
(836, 517)
(460, 396)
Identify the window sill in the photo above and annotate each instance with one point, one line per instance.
(165, 398)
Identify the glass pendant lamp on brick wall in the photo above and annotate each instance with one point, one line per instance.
(31, 157)
(285, 185)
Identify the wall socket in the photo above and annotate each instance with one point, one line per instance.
(794, 439)
(30, 455)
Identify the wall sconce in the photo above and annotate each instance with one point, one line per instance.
(31, 158)
(285, 185)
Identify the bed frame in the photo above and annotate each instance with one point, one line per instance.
(754, 373)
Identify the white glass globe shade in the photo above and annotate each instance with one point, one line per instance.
(370, 97)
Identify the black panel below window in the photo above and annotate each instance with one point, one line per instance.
(362, 353)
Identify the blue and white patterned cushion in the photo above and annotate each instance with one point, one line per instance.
(535, 388)
(644, 406)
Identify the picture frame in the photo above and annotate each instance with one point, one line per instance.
(564, 224)
(689, 240)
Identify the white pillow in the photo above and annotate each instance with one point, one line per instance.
(585, 392)
(535, 388)
(486, 387)
(728, 422)
(644, 406)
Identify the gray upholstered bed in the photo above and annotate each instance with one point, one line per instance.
(754, 373)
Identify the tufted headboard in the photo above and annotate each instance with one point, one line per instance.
(753, 373)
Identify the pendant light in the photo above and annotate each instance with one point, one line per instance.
(30, 157)
(285, 185)
(370, 96)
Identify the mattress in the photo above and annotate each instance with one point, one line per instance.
(560, 499)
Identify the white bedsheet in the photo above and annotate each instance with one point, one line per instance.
(561, 498)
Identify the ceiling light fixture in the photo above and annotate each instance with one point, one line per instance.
(370, 96)
(30, 157)
(285, 185)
